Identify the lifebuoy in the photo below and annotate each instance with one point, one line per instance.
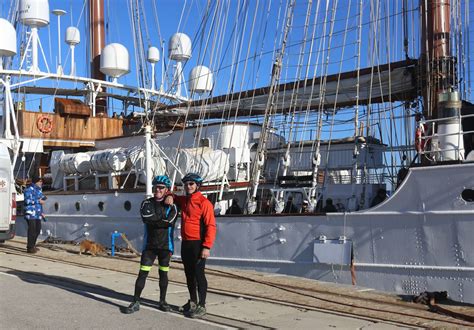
(44, 124)
(420, 139)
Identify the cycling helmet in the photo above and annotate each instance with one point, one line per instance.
(163, 179)
(192, 177)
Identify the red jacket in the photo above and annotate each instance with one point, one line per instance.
(197, 218)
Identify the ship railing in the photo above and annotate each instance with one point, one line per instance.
(447, 146)
(38, 76)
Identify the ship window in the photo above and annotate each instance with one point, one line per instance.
(206, 142)
(127, 205)
(78, 206)
(468, 195)
(101, 206)
(56, 206)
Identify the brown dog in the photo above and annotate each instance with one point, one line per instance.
(91, 247)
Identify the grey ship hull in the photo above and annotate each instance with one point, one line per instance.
(419, 239)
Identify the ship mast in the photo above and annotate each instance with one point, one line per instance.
(442, 102)
(97, 40)
(437, 64)
(259, 160)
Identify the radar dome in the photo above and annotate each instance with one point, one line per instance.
(179, 47)
(114, 60)
(73, 36)
(153, 55)
(200, 79)
(8, 39)
(34, 12)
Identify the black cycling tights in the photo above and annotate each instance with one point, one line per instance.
(194, 268)
(140, 284)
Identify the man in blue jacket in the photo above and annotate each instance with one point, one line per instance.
(34, 200)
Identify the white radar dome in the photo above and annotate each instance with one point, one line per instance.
(114, 60)
(179, 48)
(153, 55)
(73, 36)
(8, 39)
(34, 12)
(200, 79)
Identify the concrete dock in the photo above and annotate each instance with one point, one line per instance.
(58, 288)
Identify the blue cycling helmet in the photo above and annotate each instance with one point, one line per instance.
(192, 177)
(162, 179)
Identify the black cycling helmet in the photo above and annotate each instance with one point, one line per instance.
(162, 179)
(192, 177)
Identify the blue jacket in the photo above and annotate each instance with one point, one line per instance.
(33, 209)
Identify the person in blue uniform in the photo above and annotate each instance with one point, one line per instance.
(34, 200)
(159, 220)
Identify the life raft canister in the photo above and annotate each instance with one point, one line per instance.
(44, 124)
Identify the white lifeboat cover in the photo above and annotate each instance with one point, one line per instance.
(210, 164)
(75, 163)
(108, 160)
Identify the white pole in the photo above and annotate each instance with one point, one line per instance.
(59, 70)
(148, 172)
(73, 65)
(34, 49)
(59, 13)
(177, 77)
(152, 76)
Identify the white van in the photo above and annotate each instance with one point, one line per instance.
(7, 196)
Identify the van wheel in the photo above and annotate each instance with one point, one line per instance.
(2, 241)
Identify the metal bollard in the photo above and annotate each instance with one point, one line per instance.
(114, 235)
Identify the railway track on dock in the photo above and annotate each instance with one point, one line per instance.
(304, 295)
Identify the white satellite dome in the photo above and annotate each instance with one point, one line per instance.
(114, 60)
(153, 55)
(34, 12)
(179, 47)
(73, 36)
(8, 39)
(200, 79)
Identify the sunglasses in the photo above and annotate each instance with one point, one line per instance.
(189, 183)
(160, 187)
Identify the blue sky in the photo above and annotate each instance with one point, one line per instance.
(260, 19)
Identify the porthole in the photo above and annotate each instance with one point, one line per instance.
(101, 206)
(78, 206)
(468, 195)
(56, 206)
(127, 205)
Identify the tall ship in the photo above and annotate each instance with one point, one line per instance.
(335, 138)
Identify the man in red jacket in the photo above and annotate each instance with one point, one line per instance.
(198, 230)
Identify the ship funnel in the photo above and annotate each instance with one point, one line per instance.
(450, 128)
(115, 61)
(8, 40)
(200, 80)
